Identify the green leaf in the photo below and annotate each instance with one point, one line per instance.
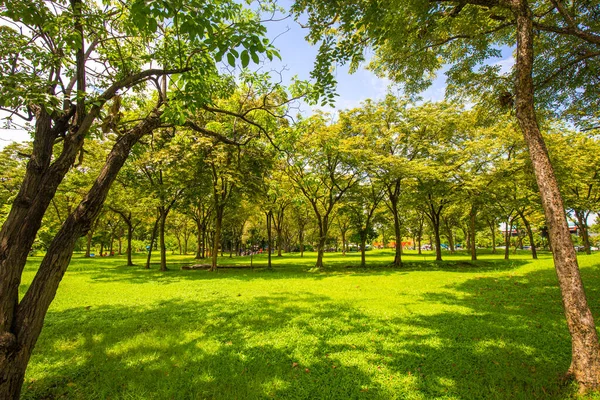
(231, 59)
(245, 58)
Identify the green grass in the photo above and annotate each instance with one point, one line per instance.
(451, 330)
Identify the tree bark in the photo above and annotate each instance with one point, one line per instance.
(585, 361)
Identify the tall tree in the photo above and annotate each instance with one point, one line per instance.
(322, 166)
(556, 62)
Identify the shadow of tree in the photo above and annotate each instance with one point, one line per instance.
(500, 337)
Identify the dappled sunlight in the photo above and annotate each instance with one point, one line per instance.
(381, 333)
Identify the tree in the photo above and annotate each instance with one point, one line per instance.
(576, 157)
(363, 201)
(322, 166)
(386, 127)
(556, 56)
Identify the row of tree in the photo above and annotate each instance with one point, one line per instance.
(408, 170)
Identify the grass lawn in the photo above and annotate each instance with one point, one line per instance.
(451, 330)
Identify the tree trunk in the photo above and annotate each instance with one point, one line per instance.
(472, 216)
(279, 242)
(269, 239)
(152, 240)
(320, 251)
(18, 339)
(492, 225)
(397, 234)
(583, 227)
(129, 246)
(449, 235)
(507, 235)
(363, 245)
(585, 361)
(438, 242)
(216, 237)
(529, 234)
(161, 238)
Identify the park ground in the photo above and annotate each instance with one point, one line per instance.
(452, 330)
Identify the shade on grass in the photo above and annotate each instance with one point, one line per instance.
(453, 330)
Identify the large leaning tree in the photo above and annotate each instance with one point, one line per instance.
(557, 58)
(60, 64)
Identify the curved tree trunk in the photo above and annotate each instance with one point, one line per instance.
(585, 359)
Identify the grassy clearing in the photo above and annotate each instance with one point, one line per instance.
(451, 330)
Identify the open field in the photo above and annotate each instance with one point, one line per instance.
(452, 330)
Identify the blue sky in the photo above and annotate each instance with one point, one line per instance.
(298, 58)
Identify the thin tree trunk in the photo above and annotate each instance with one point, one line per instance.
(216, 237)
(507, 235)
(129, 246)
(529, 234)
(492, 225)
(152, 240)
(583, 227)
(397, 234)
(472, 216)
(585, 361)
(161, 239)
(269, 239)
(363, 245)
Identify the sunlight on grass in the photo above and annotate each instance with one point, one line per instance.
(452, 330)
